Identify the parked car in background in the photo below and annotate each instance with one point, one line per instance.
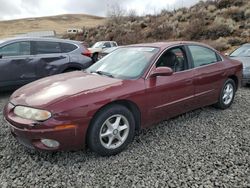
(132, 88)
(106, 52)
(98, 47)
(23, 60)
(243, 54)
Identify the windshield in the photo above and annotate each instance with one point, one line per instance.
(98, 45)
(243, 51)
(125, 63)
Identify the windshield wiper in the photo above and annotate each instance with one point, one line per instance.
(103, 73)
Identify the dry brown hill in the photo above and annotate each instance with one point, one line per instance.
(58, 23)
(224, 24)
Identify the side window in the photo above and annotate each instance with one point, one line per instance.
(66, 47)
(202, 55)
(16, 49)
(114, 44)
(174, 58)
(44, 47)
(107, 45)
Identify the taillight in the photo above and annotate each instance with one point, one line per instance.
(87, 53)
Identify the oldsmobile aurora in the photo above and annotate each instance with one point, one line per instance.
(129, 89)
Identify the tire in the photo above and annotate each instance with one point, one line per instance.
(227, 95)
(95, 57)
(112, 129)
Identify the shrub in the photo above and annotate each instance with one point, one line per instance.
(219, 44)
(162, 32)
(227, 3)
(235, 41)
(211, 8)
(247, 14)
(245, 34)
(221, 27)
(235, 13)
(195, 30)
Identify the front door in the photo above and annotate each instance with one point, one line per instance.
(169, 96)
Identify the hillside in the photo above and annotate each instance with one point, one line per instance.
(223, 24)
(58, 23)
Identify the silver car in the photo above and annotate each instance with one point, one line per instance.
(243, 54)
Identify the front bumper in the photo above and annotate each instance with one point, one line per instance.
(30, 133)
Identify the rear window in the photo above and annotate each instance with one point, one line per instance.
(202, 55)
(66, 47)
(44, 47)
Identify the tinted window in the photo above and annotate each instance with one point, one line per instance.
(66, 47)
(174, 58)
(107, 45)
(114, 44)
(202, 55)
(16, 49)
(43, 47)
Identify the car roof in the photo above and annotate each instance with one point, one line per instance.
(164, 45)
(16, 39)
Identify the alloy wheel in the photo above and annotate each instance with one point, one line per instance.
(114, 131)
(228, 93)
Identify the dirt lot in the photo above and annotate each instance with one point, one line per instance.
(204, 148)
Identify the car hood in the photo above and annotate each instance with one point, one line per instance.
(47, 91)
(245, 61)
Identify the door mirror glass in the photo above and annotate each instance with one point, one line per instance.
(162, 71)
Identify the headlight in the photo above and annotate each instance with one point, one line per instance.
(32, 113)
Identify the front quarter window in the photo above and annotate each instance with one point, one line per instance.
(125, 63)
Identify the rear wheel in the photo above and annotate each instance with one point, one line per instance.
(111, 131)
(227, 94)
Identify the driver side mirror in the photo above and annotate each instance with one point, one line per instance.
(162, 71)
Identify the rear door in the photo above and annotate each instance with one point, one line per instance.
(16, 64)
(49, 58)
(170, 95)
(209, 74)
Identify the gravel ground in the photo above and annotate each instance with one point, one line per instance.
(204, 148)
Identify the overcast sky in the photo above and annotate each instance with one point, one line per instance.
(14, 9)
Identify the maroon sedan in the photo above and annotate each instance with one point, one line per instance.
(129, 89)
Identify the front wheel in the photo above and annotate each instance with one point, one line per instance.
(111, 131)
(227, 94)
